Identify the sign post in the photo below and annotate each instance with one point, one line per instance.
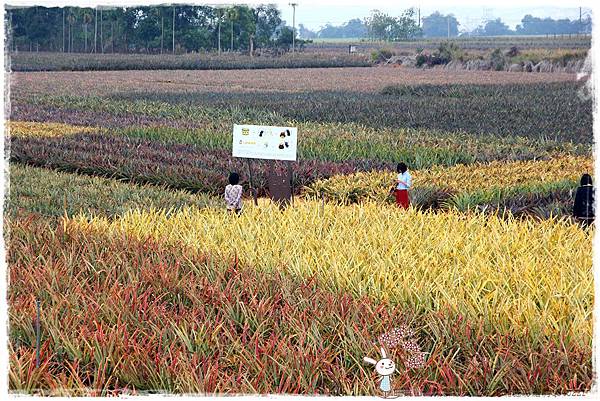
(268, 143)
(291, 175)
(254, 195)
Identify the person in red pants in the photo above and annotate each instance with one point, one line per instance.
(404, 183)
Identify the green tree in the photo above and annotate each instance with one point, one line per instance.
(284, 37)
(87, 19)
(496, 28)
(268, 19)
(405, 27)
(116, 18)
(71, 20)
(194, 27)
(246, 24)
(547, 26)
(129, 21)
(381, 26)
(147, 29)
(355, 28)
(437, 25)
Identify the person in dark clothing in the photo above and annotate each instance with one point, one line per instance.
(583, 208)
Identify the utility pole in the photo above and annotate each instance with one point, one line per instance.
(419, 17)
(101, 39)
(69, 39)
(11, 36)
(96, 30)
(580, 26)
(11, 43)
(173, 29)
(448, 19)
(293, 26)
(219, 34)
(63, 42)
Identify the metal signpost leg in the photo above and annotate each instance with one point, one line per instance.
(251, 187)
(291, 175)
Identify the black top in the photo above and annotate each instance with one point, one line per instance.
(584, 202)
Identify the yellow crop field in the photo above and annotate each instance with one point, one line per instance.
(50, 130)
(527, 278)
(459, 178)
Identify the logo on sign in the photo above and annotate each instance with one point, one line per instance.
(245, 131)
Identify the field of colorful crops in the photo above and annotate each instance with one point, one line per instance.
(116, 224)
(129, 315)
(521, 186)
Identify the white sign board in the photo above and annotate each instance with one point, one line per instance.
(265, 142)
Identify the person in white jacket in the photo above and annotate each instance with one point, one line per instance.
(403, 184)
(233, 194)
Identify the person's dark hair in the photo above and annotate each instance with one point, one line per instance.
(234, 178)
(401, 168)
(586, 179)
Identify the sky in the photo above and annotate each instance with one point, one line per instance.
(317, 13)
(314, 14)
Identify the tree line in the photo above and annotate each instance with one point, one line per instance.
(381, 26)
(536, 26)
(150, 29)
(240, 28)
(377, 26)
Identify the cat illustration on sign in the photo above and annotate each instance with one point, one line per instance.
(282, 139)
(265, 142)
(283, 143)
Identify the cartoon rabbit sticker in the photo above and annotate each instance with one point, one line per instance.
(384, 367)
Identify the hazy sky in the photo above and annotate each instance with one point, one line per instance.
(316, 13)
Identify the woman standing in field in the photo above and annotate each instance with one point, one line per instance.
(403, 184)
